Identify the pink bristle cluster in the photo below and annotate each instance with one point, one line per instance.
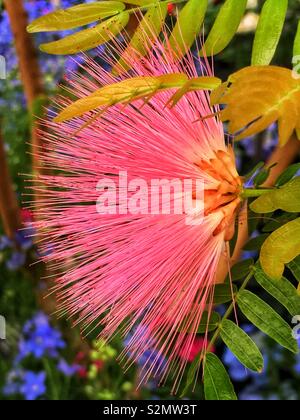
(124, 270)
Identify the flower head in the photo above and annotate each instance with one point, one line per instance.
(129, 268)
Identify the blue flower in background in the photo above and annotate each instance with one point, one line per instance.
(16, 261)
(236, 370)
(33, 385)
(13, 382)
(40, 339)
(66, 369)
(5, 243)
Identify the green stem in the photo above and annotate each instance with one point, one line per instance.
(253, 193)
(228, 312)
(52, 382)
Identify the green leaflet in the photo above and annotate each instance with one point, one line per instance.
(267, 320)
(296, 49)
(75, 16)
(294, 267)
(224, 293)
(241, 269)
(282, 290)
(144, 36)
(88, 38)
(225, 26)
(277, 222)
(209, 323)
(288, 174)
(268, 31)
(188, 26)
(281, 247)
(286, 198)
(217, 384)
(242, 346)
(255, 243)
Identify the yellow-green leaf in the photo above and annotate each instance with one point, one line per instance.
(257, 96)
(225, 26)
(286, 198)
(88, 38)
(130, 90)
(281, 247)
(75, 16)
(144, 36)
(268, 31)
(188, 26)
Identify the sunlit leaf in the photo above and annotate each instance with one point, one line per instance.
(268, 31)
(257, 96)
(267, 320)
(286, 198)
(88, 38)
(282, 290)
(127, 91)
(145, 35)
(242, 346)
(75, 16)
(225, 26)
(188, 26)
(217, 384)
(281, 247)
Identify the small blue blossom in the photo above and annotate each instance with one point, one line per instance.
(5, 243)
(40, 339)
(66, 369)
(33, 385)
(16, 261)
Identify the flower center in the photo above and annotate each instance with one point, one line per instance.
(223, 195)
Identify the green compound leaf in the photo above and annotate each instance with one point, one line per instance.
(217, 384)
(242, 346)
(225, 26)
(88, 38)
(282, 290)
(267, 320)
(268, 31)
(281, 247)
(286, 198)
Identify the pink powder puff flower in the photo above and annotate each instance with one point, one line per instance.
(122, 270)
